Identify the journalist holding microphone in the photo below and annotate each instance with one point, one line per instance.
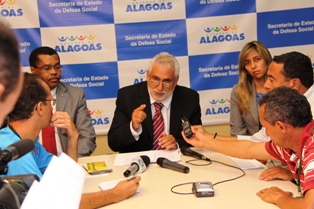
(287, 117)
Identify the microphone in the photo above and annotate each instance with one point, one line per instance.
(165, 163)
(16, 150)
(138, 165)
(187, 151)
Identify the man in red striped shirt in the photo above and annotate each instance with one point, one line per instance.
(287, 117)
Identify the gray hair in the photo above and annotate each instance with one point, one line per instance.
(286, 105)
(165, 58)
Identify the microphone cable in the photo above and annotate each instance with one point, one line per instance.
(208, 163)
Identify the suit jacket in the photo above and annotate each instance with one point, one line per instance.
(72, 100)
(243, 124)
(185, 103)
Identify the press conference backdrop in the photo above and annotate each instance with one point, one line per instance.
(107, 44)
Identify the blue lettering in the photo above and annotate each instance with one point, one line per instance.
(100, 121)
(163, 6)
(156, 6)
(235, 37)
(57, 48)
(226, 109)
(215, 39)
(92, 47)
(98, 46)
(203, 41)
(11, 12)
(4, 13)
(129, 8)
(219, 110)
(169, 5)
(142, 8)
(228, 37)
(148, 7)
(77, 48)
(19, 12)
(85, 47)
(242, 36)
(106, 120)
(138, 80)
(221, 38)
(70, 48)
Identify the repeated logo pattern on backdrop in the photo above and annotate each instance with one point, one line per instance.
(107, 44)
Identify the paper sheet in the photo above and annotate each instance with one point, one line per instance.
(247, 164)
(60, 187)
(126, 158)
(110, 184)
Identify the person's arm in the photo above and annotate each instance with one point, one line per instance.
(83, 123)
(285, 200)
(276, 173)
(236, 148)
(120, 135)
(64, 121)
(185, 103)
(237, 124)
(122, 191)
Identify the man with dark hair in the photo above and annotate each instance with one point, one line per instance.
(11, 75)
(287, 118)
(45, 62)
(31, 113)
(293, 70)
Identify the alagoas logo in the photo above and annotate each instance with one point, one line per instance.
(144, 6)
(221, 34)
(142, 75)
(218, 106)
(78, 43)
(7, 9)
(97, 118)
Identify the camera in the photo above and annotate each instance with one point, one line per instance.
(186, 126)
(203, 189)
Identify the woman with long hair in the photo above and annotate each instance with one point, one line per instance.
(254, 60)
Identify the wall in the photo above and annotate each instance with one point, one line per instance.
(105, 45)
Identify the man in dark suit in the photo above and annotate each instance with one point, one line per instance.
(132, 126)
(45, 62)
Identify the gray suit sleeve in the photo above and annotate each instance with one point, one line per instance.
(237, 124)
(83, 122)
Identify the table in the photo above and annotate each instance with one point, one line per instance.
(156, 183)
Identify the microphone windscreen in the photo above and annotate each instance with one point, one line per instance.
(24, 146)
(165, 163)
(160, 160)
(186, 150)
(145, 159)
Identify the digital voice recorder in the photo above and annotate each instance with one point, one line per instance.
(186, 126)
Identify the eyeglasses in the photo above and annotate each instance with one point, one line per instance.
(157, 81)
(53, 101)
(48, 68)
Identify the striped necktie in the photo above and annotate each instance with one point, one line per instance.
(158, 125)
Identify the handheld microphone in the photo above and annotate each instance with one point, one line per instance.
(16, 150)
(187, 151)
(165, 163)
(138, 165)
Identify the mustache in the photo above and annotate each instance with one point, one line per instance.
(160, 92)
(55, 76)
